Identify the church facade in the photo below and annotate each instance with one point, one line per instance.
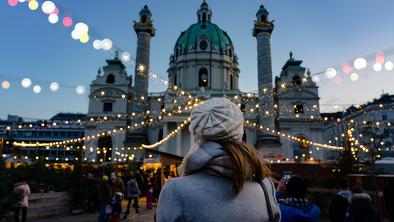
(204, 64)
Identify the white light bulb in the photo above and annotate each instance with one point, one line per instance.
(97, 44)
(82, 28)
(37, 89)
(377, 67)
(75, 34)
(54, 86)
(53, 18)
(360, 63)
(331, 73)
(48, 7)
(80, 90)
(354, 77)
(26, 83)
(389, 65)
(125, 57)
(107, 44)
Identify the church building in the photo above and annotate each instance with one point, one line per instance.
(204, 64)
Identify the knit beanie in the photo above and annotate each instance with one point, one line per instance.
(217, 119)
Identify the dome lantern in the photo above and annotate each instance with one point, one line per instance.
(204, 14)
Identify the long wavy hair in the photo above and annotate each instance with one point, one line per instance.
(246, 162)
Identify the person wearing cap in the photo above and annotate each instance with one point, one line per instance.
(104, 196)
(222, 177)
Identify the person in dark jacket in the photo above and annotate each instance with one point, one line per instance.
(340, 202)
(295, 206)
(104, 196)
(361, 209)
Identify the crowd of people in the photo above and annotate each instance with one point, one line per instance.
(116, 187)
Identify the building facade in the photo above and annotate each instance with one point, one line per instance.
(371, 125)
(204, 64)
(26, 141)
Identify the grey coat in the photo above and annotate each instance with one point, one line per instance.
(202, 196)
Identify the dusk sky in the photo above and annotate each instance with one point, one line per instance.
(321, 33)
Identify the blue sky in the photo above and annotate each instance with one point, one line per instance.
(321, 33)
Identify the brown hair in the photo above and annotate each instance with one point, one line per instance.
(246, 163)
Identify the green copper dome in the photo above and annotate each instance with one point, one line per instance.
(190, 38)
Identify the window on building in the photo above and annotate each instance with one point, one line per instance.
(204, 17)
(203, 77)
(160, 134)
(384, 117)
(203, 45)
(175, 80)
(103, 144)
(230, 53)
(299, 108)
(263, 18)
(296, 80)
(143, 18)
(107, 107)
(110, 79)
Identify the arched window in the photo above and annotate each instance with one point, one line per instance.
(175, 80)
(103, 145)
(110, 79)
(301, 148)
(143, 18)
(296, 80)
(298, 108)
(263, 18)
(203, 77)
(204, 17)
(230, 53)
(231, 82)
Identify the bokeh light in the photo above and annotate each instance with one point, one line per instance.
(389, 65)
(331, 73)
(377, 67)
(75, 35)
(67, 21)
(107, 44)
(48, 7)
(26, 83)
(33, 5)
(82, 28)
(56, 11)
(84, 38)
(360, 63)
(53, 18)
(125, 57)
(97, 44)
(21, 1)
(80, 90)
(354, 77)
(37, 89)
(5, 84)
(346, 68)
(338, 80)
(54, 86)
(12, 2)
(379, 58)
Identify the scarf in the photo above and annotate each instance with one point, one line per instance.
(208, 157)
